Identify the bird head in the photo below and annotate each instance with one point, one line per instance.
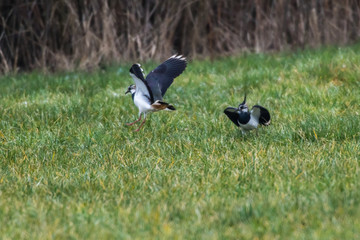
(243, 106)
(131, 89)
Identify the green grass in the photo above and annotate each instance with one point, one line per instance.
(70, 168)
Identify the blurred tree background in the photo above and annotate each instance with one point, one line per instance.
(83, 34)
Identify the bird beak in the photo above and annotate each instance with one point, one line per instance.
(244, 100)
(127, 91)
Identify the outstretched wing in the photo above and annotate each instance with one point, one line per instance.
(136, 72)
(160, 79)
(233, 114)
(262, 114)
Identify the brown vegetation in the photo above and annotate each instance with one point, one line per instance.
(67, 34)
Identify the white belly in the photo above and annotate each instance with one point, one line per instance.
(142, 102)
(252, 124)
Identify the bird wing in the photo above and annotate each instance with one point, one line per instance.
(233, 114)
(136, 72)
(160, 79)
(261, 114)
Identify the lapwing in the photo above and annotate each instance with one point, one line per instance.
(248, 120)
(147, 93)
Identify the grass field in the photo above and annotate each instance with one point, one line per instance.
(71, 169)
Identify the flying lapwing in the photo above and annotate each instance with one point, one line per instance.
(147, 93)
(246, 120)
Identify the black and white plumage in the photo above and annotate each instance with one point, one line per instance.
(147, 93)
(246, 120)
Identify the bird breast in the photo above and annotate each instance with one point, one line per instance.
(142, 102)
(252, 124)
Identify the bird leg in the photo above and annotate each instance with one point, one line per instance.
(129, 124)
(142, 123)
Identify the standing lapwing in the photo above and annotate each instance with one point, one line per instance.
(147, 93)
(248, 120)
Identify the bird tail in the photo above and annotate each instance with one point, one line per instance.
(170, 108)
(160, 105)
